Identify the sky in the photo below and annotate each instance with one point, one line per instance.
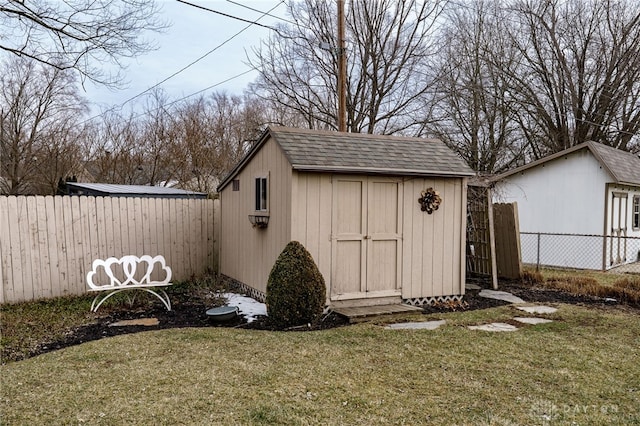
(193, 33)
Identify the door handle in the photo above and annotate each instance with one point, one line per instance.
(367, 237)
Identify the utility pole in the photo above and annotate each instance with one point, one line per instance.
(342, 71)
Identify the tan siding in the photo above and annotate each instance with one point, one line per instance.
(407, 237)
(433, 243)
(450, 242)
(324, 241)
(248, 254)
(47, 244)
(213, 235)
(418, 242)
(311, 218)
(298, 198)
(462, 235)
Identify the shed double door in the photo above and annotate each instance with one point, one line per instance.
(366, 234)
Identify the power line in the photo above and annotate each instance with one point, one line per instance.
(197, 93)
(232, 16)
(251, 23)
(264, 13)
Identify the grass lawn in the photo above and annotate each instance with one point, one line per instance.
(582, 368)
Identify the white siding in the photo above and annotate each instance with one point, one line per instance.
(565, 195)
(572, 194)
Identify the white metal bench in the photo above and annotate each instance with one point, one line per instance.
(127, 267)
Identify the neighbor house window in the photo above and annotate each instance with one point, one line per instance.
(261, 193)
(236, 184)
(636, 212)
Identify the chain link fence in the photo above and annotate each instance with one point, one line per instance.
(581, 251)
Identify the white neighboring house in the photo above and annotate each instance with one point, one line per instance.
(591, 191)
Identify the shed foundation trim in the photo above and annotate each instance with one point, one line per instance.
(420, 301)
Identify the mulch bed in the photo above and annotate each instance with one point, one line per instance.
(189, 311)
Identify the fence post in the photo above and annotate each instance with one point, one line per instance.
(538, 254)
(492, 241)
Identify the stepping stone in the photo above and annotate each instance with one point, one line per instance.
(538, 309)
(147, 322)
(533, 321)
(500, 295)
(494, 326)
(424, 325)
(472, 287)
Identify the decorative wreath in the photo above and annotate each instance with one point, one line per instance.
(429, 200)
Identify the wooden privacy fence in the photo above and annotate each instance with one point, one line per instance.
(493, 237)
(507, 230)
(47, 244)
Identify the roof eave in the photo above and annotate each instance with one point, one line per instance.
(545, 160)
(625, 183)
(238, 167)
(379, 170)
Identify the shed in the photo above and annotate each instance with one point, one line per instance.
(113, 190)
(352, 201)
(577, 208)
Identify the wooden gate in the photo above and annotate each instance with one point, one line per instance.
(507, 231)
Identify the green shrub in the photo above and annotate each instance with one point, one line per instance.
(296, 292)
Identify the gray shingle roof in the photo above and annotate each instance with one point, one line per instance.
(359, 152)
(623, 166)
(109, 189)
(326, 151)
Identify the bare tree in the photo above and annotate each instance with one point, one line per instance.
(214, 133)
(473, 111)
(520, 79)
(160, 133)
(389, 50)
(39, 108)
(579, 76)
(83, 35)
(61, 157)
(116, 153)
(191, 144)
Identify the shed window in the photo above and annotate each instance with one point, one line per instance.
(236, 184)
(261, 193)
(636, 212)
